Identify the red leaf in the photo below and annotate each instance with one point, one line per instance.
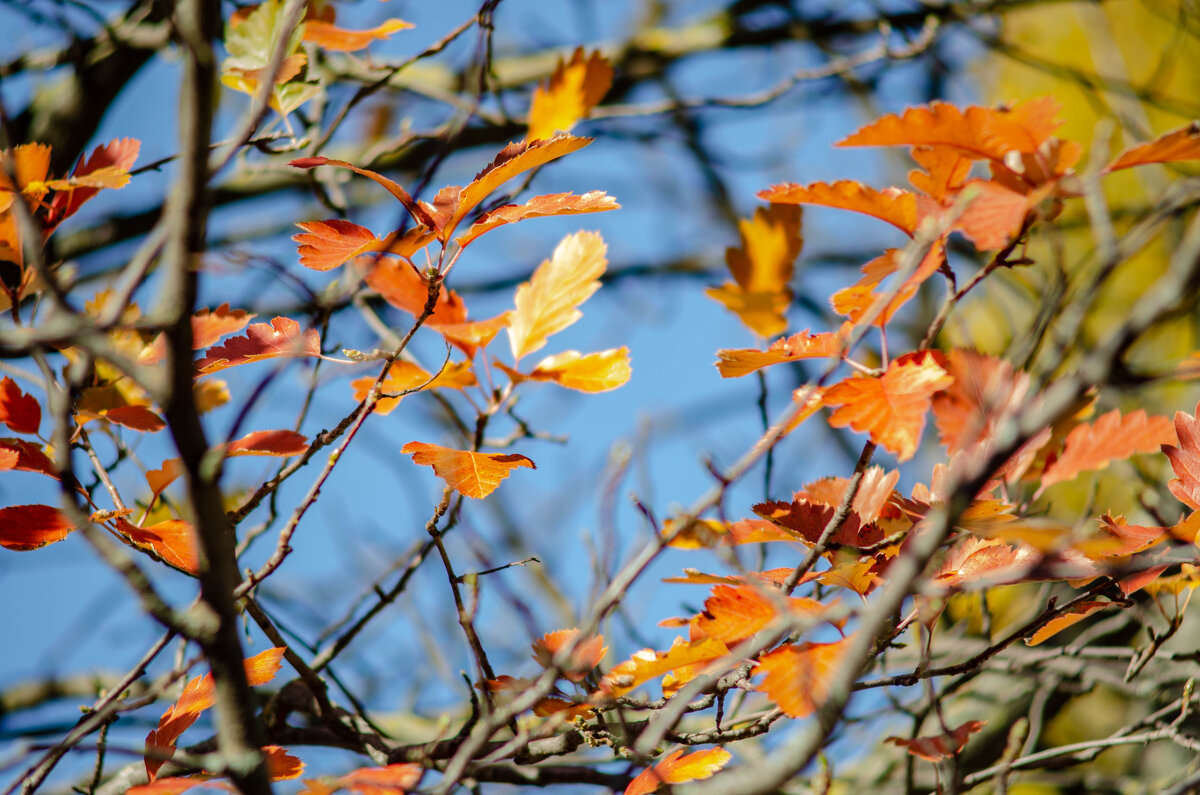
(108, 167)
(394, 779)
(19, 411)
(30, 457)
(807, 521)
(896, 206)
(282, 337)
(1181, 144)
(943, 746)
(404, 288)
(25, 527)
(276, 443)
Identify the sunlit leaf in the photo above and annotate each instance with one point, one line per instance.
(586, 656)
(797, 675)
(1111, 438)
(762, 268)
(549, 301)
(1073, 616)
(25, 527)
(985, 391)
(593, 372)
(280, 443)
(676, 768)
(281, 338)
(326, 245)
(896, 206)
(394, 779)
(807, 522)
(403, 376)
(551, 204)
(1185, 459)
(19, 411)
(649, 664)
(574, 89)
(734, 614)
(801, 345)
(107, 167)
(471, 474)
(1177, 145)
(173, 541)
(331, 38)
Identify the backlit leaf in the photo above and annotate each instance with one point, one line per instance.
(676, 768)
(281, 338)
(331, 38)
(574, 89)
(891, 407)
(471, 474)
(734, 614)
(139, 418)
(594, 372)
(762, 268)
(1177, 145)
(896, 206)
(807, 521)
(420, 214)
(649, 664)
(394, 779)
(269, 443)
(326, 245)
(996, 215)
(797, 675)
(173, 541)
(404, 288)
(29, 457)
(403, 376)
(539, 207)
(548, 302)
(985, 391)
(107, 167)
(1073, 616)
(25, 527)
(1112, 437)
(939, 747)
(1185, 459)
(586, 656)
(734, 363)
(19, 411)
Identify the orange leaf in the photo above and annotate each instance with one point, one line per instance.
(471, 474)
(419, 213)
(797, 676)
(1073, 616)
(734, 363)
(734, 614)
(282, 338)
(281, 765)
(403, 287)
(944, 172)
(403, 376)
(476, 334)
(996, 216)
(139, 418)
(551, 204)
(1181, 144)
(896, 206)
(159, 479)
(648, 664)
(548, 302)
(176, 785)
(807, 521)
(586, 656)
(391, 780)
(983, 562)
(982, 133)
(943, 746)
(108, 167)
(1185, 459)
(595, 372)
(762, 268)
(890, 407)
(25, 527)
(19, 411)
(208, 326)
(1112, 437)
(328, 244)
(275, 443)
(855, 301)
(334, 39)
(985, 391)
(29, 457)
(574, 89)
(870, 501)
(173, 541)
(675, 768)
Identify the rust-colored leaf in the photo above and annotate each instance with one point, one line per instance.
(1177, 145)
(549, 301)
(1185, 459)
(980, 562)
(280, 443)
(29, 457)
(676, 768)
(807, 522)
(734, 363)
(942, 174)
(870, 501)
(574, 89)
(471, 474)
(25, 527)
(18, 410)
(281, 338)
(1110, 438)
(797, 675)
(586, 656)
(325, 245)
(208, 326)
(896, 206)
(173, 541)
(857, 300)
(139, 418)
(595, 372)
(979, 132)
(551, 204)
(331, 38)
(281, 765)
(891, 407)
(404, 288)
(939, 747)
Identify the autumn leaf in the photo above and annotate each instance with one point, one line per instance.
(1071, 617)
(797, 675)
(208, 326)
(1110, 438)
(896, 206)
(474, 334)
(198, 695)
(418, 212)
(331, 38)
(871, 501)
(165, 475)
(734, 363)
(270, 443)
(942, 746)
(891, 407)
(173, 541)
(551, 204)
(982, 562)
(807, 522)
(574, 89)
(19, 411)
(1185, 459)
(107, 167)
(404, 288)
(394, 779)
(282, 338)
(676, 768)
(979, 132)
(859, 299)
(649, 664)
(326, 245)
(1177, 145)
(471, 474)
(403, 376)
(29, 457)
(26, 527)
(942, 174)
(586, 655)
(734, 614)
(985, 391)
(762, 269)
(995, 215)
(139, 418)
(549, 301)
(594, 372)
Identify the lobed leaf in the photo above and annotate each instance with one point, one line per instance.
(1172, 147)
(1110, 438)
(797, 675)
(586, 655)
(942, 746)
(281, 338)
(551, 204)
(676, 768)
(574, 89)
(471, 474)
(896, 206)
(734, 363)
(1185, 459)
(549, 301)
(329, 244)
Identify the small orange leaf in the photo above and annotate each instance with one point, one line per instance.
(208, 326)
(475, 334)
(139, 418)
(734, 614)
(326, 245)
(648, 664)
(549, 301)
(890, 407)
(391, 780)
(25, 527)
(107, 167)
(281, 765)
(574, 89)
(551, 204)
(675, 768)
(172, 540)
(807, 522)
(1110, 438)
(334, 39)
(471, 474)
(1181, 144)
(1073, 616)
(595, 372)
(586, 656)
(273, 443)
(735, 363)
(281, 338)
(942, 746)
(985, 391)
(404, 288)
(1185, 459)
(419, 213)
(896, 206)
(996, 215)
(403, 376)
(19, 411)
(29, 457)
(159, 479)
(762, 268)
(797, 675)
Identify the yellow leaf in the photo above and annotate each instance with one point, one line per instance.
(548, 302)
(574, 89)
(595, 372)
